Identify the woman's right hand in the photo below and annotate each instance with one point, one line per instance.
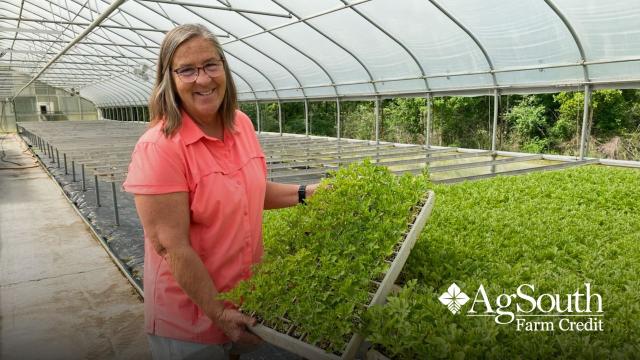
(235, 325)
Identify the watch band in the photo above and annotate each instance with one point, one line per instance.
(302, 194)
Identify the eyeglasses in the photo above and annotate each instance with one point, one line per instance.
(190, 73)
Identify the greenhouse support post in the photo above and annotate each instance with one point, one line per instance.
(377, 126)
(306, 117)
(338, 118)
(258, 116)
(427, 129)
(338, 128)
(496, 108)
(15, 115)
(585, 120)
(280, 117)
(80, 108)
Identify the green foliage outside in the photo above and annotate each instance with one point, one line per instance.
(250, 110)
(543, 123)
(320, 258)
(358, 120)
(556, 230)
(552, 123)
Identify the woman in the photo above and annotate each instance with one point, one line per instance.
(199, 179)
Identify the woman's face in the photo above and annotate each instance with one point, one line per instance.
(201, 99)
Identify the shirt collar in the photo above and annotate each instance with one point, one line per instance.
(191, 132)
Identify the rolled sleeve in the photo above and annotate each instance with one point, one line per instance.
(155, 171)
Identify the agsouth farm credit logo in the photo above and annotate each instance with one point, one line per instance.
(529, 311)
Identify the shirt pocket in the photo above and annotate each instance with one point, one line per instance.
(216, 197)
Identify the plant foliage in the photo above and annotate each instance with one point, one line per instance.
(320, 258)
(556, 230)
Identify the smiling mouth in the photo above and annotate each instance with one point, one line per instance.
(205, 93)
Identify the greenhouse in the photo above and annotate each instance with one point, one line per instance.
(476, 163)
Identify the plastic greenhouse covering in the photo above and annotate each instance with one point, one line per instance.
(293, 50)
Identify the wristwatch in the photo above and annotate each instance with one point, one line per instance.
(302, 194)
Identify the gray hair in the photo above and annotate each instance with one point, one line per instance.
(164, 103)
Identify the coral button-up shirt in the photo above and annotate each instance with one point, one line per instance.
(226, 182)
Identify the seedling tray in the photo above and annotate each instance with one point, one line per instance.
(298, 345)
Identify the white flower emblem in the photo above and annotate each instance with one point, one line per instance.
(454, 298)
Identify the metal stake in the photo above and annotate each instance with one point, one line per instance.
(95, 177)
(84, 183)
(115, 203)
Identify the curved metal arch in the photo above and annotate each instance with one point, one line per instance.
(113, 96)
(143, 95)
(306, 22)
(574, 35)
(275, 90)
(134, 31)
(70, 38)
(62, 34)
(35, 14)
(107, 94)
(153, 41)
(146, 84)
(254, 48)
(18, 25)
(106, 102)
(96, 34)
(238, 58)
(148, 39)
(393, 38)
(81, 72)
(104, 37)
(136, 90)
(473, 38)
(246, 82)
(335, 88)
